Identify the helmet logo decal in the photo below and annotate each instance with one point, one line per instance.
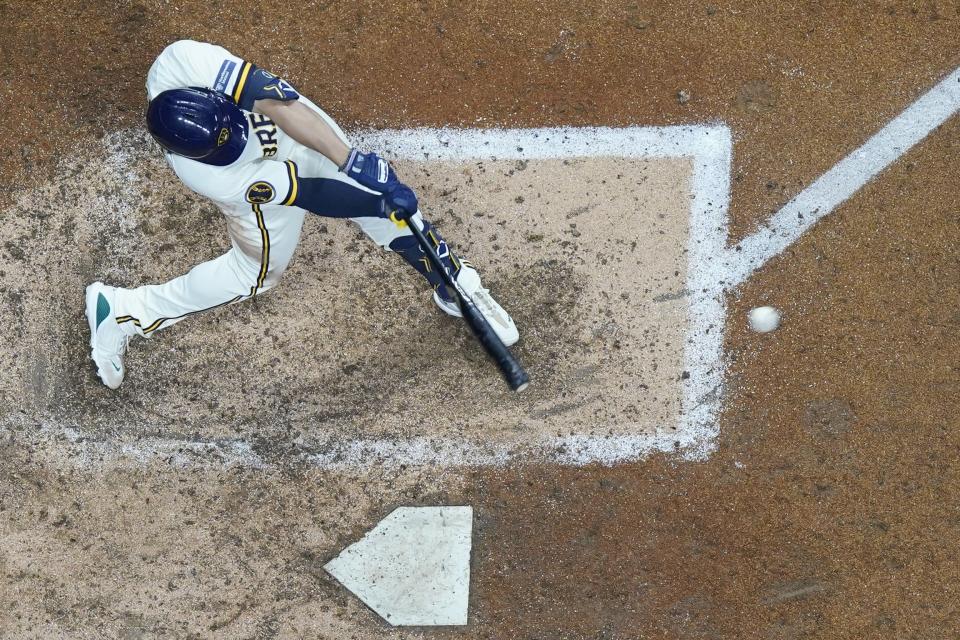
(260, 193)
(223, 137)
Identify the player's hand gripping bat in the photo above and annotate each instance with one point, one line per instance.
(516, 377)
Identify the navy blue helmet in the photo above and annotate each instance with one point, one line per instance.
(201, 124)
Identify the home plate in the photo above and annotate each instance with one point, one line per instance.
(413, 568)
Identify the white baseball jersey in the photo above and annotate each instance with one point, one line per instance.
(263, 173)
(255, 192)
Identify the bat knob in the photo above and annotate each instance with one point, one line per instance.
(517, 378)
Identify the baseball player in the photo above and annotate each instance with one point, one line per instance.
(265, 155)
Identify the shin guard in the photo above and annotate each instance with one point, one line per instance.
(408, 247)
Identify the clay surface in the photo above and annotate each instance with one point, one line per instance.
(828, 507)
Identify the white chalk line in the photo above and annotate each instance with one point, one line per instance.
(713, 269)
(844, 179)
(52, 442)
(695, 430)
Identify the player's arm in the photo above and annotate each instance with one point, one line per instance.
(273, 182)
(261, 91)
(305, 125)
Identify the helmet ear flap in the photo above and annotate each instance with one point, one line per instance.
(198, 123)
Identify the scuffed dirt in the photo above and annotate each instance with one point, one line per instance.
(330, 355)
(115, 553)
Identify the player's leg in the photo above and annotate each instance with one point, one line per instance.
(116, 314)
(398, 238)
(263, 244)
(264, 240)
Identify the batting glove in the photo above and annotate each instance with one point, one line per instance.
(375, 173)
(370, 170)
(401, 199)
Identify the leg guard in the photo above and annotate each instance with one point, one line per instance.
(408, 248)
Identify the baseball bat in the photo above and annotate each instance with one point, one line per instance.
(509, 366)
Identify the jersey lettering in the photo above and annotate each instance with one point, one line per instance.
(266, 131)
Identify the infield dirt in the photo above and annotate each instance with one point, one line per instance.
(829, 507)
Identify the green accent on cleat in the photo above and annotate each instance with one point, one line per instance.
(103, 309)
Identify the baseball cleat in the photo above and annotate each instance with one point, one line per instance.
(469, 280)
(108, 342)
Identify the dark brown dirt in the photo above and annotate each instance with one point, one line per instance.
(829, 510)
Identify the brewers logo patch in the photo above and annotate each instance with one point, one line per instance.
(223, 137)
(260, 193)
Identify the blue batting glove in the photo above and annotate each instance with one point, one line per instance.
(370, 170)
(401, 199)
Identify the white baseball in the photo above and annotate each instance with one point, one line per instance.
(764, 319)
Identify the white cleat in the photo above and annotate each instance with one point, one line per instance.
(108, 342)
(500, 320)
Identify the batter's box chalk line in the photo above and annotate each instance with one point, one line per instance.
(713, 268)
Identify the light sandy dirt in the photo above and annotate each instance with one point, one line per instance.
(591, 255)
(603, 309)
(158, 553)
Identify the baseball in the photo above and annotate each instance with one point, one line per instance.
(764, 319)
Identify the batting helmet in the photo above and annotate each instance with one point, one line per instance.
(198, 123)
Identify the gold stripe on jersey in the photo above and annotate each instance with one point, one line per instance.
(294, 186)
(241, 80)
(265, 252)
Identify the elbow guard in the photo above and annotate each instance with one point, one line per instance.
(255, 84)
